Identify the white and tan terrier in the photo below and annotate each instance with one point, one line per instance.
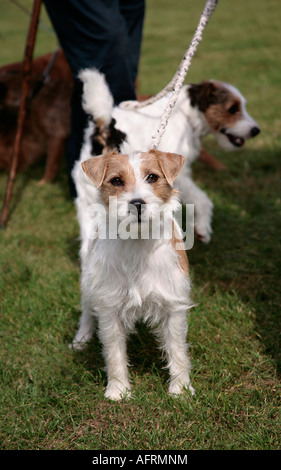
(127, 279)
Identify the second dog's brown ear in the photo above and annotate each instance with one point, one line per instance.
(170, 163)
(202, 95)
(95, 168)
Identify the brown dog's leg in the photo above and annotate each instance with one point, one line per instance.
(211, 161)
(55, 151)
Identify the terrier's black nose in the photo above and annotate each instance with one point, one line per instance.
(137, 204)
(255, 131)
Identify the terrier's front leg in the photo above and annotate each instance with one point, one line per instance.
(113, 337)
(174, 332)
(86, 329)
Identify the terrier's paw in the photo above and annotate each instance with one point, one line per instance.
(117, 391)
(203, 232)
(177, 387)
(78, 345)
(203, 220)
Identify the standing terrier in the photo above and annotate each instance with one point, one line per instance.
(126, 279)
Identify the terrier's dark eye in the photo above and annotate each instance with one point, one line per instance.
(152, 178)
(116, 181)
(233, 109)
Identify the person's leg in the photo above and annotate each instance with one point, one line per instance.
(79, 121)
(133, 12)
(95, 34)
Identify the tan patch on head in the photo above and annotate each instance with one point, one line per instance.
(149, 166)
(166, 166)
(225, 110)
(217, 103)
(95, 168)
(218, 117)
(170, 163)
(105, 169)
(118, 167)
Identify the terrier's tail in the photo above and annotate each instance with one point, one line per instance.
(97, 99)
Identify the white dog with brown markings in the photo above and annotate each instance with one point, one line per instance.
(210, 107)
(129, 279)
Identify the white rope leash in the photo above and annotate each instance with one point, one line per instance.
(183, 69)
(176, 83)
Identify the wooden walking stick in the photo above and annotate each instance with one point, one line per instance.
(27, 66)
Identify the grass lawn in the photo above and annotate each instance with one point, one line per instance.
(52, 397)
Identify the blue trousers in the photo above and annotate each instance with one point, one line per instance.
(105, 34)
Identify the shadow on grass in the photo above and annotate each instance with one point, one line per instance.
(245, 251)
(143, 354)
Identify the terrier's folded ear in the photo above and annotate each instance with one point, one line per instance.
(170, 163)
(95, 167)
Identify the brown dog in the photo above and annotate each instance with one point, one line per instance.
(47, 123)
